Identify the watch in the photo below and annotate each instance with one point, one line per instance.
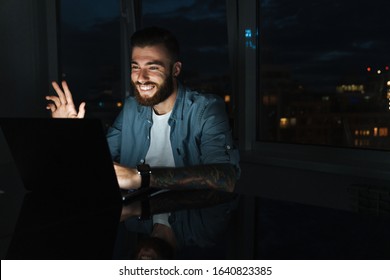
(145, 210)
(145, 171)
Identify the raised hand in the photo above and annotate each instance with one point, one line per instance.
(62, 106)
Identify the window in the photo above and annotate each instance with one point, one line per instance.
(201, 29)
(285, 116)
(323, 73)
(90, 55)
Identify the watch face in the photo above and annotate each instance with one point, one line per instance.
(143, 168)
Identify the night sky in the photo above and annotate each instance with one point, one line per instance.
(326, 41)
(321, 42)
(90, 37)
(201, 29)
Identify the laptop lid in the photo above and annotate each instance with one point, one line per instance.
(68, 153)
(66, 166)
(71, 154)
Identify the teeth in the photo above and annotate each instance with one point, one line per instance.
(145, 87)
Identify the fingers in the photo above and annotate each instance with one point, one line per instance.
(55, 99)
(63, 105)
(81, 112)
(51, 107)
(59, 92)
(68, 95)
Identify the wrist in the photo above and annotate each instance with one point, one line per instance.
(144, 172)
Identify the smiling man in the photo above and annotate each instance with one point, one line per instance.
(152, 78)
(166, 136)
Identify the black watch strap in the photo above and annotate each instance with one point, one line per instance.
(145, 171)
(145, 210)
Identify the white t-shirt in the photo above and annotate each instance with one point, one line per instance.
(160, 152)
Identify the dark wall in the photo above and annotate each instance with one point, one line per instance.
(352, 192)
(23, 58)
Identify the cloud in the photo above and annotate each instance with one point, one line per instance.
(202, 33)
(325, 38)
(364, 45)
(333, 55)
(191, 10)
(154, 7)
(84, 14)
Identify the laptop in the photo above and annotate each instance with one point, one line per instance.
(72, 205)
(70, 153)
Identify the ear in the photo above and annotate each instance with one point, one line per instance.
(176, 69)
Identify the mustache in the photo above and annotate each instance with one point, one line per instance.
(144, 84)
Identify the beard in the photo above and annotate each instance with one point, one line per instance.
(163, 92)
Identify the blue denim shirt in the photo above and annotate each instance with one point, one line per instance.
(200, 131)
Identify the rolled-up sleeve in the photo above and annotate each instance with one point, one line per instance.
(215, 136)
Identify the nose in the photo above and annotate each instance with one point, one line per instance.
(142, 76)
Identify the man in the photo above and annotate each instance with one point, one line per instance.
(166, 135)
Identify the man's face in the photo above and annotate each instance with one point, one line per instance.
(151, 74)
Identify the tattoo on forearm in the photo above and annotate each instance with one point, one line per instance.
(189, 199)
(213, 176)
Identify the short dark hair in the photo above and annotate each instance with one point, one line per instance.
(151, 36)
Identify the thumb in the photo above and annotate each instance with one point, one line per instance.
(81, 112)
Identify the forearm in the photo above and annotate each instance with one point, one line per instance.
(190, 199)
(176, 200)
(213, 176)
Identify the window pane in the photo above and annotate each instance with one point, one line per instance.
(90, 55)
(324, 72)
(202, 33)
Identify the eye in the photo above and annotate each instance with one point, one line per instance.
(134, 67)
(153, 68)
